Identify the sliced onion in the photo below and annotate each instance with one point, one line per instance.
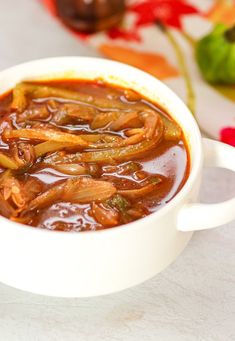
(101, 140)
(85, 190)
(47, 198)
(7, 162)
(71, 168)
(109, 155)
(126, 120)
(24, 154)
(19, 101)
(6, 209)
(151, 121)
(47, 135)
(172, 132)
(75, 190)
(34, 114)
(103, 118)
(105, 216)
(50, 146)
(73, 111)
(44, 91)
(134, 131)
(137, 193)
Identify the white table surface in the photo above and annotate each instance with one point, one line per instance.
(194, 299)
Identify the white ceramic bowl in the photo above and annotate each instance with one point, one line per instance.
(101, 262)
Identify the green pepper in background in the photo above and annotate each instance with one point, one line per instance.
(215, 54)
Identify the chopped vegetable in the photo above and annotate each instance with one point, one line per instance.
(106, 216)
(119, 202)
(126, 120)
(17, 194)
(44, 91)
(172, 132)
(131, 95)
(12, 191)
(47, 198)
(71, 168)
(75, 190)
(71, 112)
(85, 190)
(47, 135)
(24, 154)
(34, 114)
(103, 118)
(6, 209)
(102, 156)
(8, 162)
(137, 193)
(19, 101)
(50, 146)
(136, 212)
(129, 168)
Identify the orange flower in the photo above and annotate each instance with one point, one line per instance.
(152, 63)
(222, 11)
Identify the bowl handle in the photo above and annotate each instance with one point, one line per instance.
(196, 216)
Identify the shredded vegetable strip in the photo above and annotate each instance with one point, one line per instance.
(19, 101)
(50, 147)
(6, 209)
(126, 120)
(7, 162)
(172, 132)
(71, 112)
(71, 169)
(137, 193)
(46, 135)
(104, 215)
(103, 118)
(44, 91)
(118, 154)
(75, 190)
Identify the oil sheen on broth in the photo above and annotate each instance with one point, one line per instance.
(78, 155)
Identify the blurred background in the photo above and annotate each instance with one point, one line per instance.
(188, 44)
(29, 32)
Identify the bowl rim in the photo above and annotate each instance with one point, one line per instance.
(193, 174)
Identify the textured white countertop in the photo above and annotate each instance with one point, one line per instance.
(194, 299)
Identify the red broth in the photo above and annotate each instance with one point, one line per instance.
(78, 155)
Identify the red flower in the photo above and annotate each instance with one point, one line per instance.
(227, 135)
(119, 33)
(167, 12)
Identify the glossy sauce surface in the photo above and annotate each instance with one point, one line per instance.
(166, 165)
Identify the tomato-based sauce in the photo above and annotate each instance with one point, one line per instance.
(79, 155)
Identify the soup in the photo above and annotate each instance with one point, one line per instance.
(80, 155)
